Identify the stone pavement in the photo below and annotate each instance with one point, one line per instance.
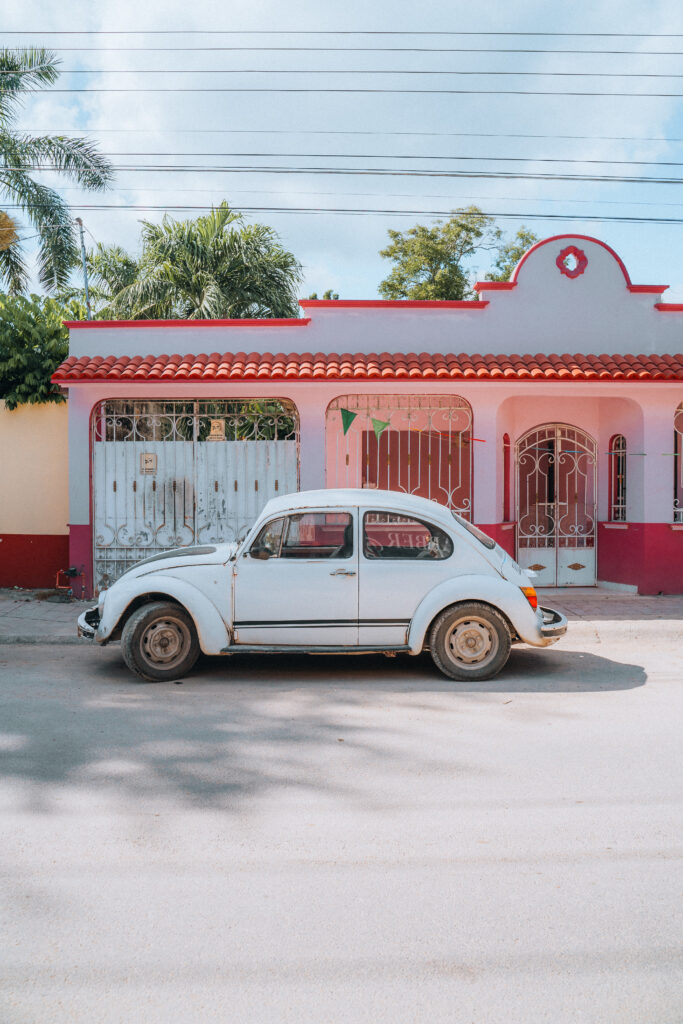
(35, 617)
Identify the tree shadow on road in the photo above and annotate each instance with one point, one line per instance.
(250, 725)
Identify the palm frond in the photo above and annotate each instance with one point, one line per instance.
(24, 70)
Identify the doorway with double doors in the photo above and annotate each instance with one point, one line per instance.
(556, 505)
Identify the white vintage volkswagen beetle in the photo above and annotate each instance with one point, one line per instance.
(335, 570)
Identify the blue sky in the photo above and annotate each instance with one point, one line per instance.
(341, 252)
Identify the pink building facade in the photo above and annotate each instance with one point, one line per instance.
(550, 413)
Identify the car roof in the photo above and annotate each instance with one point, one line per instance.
(364, 497)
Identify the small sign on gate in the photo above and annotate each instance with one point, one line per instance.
(148, 462)
(217, 432)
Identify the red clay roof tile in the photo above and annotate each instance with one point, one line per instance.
(360, 366)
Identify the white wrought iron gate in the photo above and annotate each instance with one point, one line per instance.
(419, 444)
(170, 474)
(556, 488)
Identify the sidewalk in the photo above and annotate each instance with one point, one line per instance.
(38, 617)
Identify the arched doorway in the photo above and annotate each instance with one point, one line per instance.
(556, 493)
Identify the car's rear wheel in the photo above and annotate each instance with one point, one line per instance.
(159, 642)
(470, 641)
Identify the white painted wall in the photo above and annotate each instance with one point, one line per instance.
(546, 312)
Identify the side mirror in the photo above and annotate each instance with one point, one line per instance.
(262, 553)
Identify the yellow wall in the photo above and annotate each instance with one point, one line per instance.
(34, 469)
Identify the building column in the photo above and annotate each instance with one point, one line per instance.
(80, 528)
(311, 406)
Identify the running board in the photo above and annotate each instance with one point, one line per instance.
(293, 649)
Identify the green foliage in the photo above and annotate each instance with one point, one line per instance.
(432, 262)
(21, 72)
(329, 294)
(510, 253)
(428, 261)
(110, 270)
(33, 342)
(214, 267)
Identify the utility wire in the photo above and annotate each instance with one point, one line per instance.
(408, 156)
(364, 211)
(333, 32)
(341, 131)
(403, 92)
(347, 71)
(358, 49)
(381, 172)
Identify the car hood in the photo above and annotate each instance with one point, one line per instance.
(204, 554)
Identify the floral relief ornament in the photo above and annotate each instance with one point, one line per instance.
(572, 261)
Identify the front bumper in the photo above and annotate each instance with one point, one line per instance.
(88, 623)
(554, 624)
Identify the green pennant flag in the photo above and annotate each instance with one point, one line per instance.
(347, 418)
(379, 426)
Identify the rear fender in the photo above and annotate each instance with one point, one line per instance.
(502, 595)
(212, 631)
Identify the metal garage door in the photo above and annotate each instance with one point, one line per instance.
(172, 473)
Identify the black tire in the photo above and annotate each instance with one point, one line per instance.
(159, 642)
(470, 641)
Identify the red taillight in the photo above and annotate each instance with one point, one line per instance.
(531, 596)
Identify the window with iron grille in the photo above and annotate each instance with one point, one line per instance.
(617, 479)
(678, 465)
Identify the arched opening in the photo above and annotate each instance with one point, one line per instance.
(556, 514)
(419, 444)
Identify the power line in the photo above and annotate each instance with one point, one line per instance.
(409, 156)
(347, 71)
(334, 32)
(342, 131)
(363, 211)
(359, 49)
(382, 172)
(416, 92)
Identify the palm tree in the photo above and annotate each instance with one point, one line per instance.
(22, 72)
(210, 268)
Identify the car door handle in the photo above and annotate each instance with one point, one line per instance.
(342, 572)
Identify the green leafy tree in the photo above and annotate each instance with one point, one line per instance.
(510, 253)
(329, 294)
(213, 267)
(77, 159)
(429, 261)
(33, 342)
(110, 270)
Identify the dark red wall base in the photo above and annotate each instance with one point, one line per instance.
(503, 534)
(80, 553)
(32, 560)
(649, 555)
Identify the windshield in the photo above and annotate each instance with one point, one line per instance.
(482, 537)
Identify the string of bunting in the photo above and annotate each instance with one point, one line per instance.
(379, 426)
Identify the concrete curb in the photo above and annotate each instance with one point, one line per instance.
(33, 640)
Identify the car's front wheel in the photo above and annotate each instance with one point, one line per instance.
(159, 642)
(470, 641)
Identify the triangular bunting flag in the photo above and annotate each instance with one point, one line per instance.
(379, 426)
(347, 418)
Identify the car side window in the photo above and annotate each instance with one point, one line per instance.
(318, 535)
(267, 544)
(393, 536)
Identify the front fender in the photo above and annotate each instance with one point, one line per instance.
(504, 596)
(212, 631)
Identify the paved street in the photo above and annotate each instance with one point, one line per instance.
(345, 839)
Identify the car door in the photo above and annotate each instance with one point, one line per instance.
(401, 559)
(297, 583)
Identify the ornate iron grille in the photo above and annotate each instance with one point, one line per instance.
(617, 478)
(173, 473)
(678, 465)
(556, 476)
(418, 444)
